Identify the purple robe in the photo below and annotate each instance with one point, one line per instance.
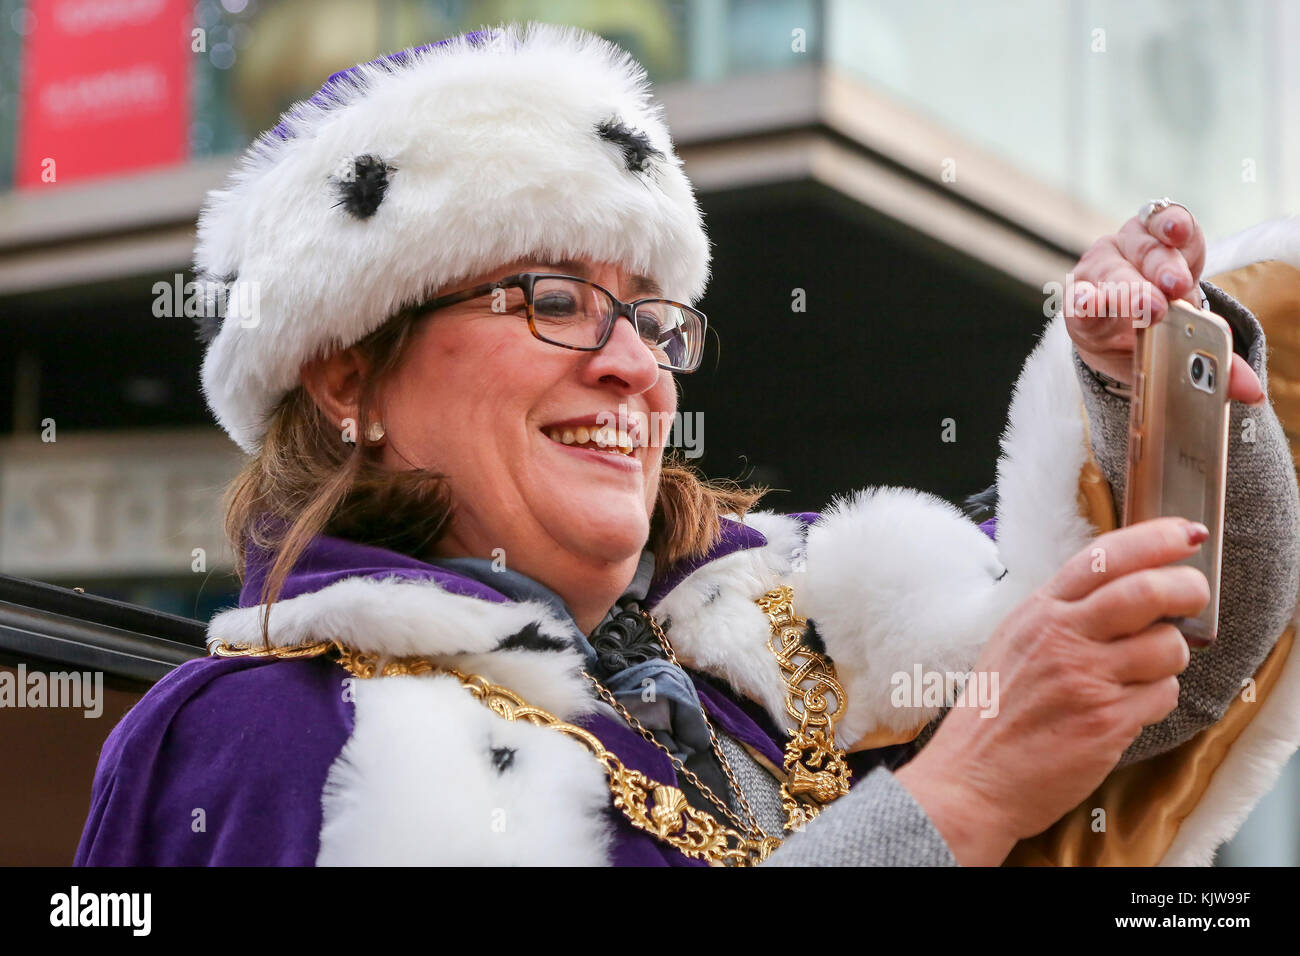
(205, 770)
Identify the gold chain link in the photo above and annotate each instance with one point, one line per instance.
(752, 827)
(713, 737)
(817, 769)
(654, 808)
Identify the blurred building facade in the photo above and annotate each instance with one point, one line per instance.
(888, 186)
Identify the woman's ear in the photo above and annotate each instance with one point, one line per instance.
(334, 384)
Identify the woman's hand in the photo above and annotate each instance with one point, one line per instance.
(1127, 279)
(1082, 667)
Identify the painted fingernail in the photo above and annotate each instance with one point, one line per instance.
(1196, 532)
(1080, 301)
(1169, 227)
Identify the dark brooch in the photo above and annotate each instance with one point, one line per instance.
(624, 640)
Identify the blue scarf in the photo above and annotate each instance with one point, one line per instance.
(624, 655)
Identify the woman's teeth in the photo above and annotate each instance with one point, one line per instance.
(601, 439)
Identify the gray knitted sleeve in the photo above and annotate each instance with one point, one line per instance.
(1261, 545)
(877, 823)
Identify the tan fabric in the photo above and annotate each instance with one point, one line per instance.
(1144, 802)
(887, 738)
(1271, 290)
(1096, 503)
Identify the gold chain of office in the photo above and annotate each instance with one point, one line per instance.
(815, 765)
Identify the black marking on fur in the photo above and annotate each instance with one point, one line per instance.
(715, 591)
(503, 758)
(361, 188)
(983, 504)
(814, 640)
(1002, 575)
(634, 144)
(531, 639)
(208, 323)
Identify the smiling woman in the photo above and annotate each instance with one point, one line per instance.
(475, 581)
(474, 409)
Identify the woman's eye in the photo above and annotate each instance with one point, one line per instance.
(652, 329)
(555, 305)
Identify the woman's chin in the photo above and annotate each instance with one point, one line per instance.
(603, 527)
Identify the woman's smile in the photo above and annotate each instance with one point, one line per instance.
(609, 457)
(590, 437)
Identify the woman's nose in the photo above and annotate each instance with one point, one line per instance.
(626, 356)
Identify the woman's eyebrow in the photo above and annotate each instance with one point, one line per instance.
(641, 285)
(644, 285)
(568, 266)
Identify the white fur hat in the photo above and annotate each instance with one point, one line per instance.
(415, 171)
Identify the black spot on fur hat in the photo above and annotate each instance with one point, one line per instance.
(362, 185)
(635, 145)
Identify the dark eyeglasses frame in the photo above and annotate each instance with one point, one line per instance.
(528, 280)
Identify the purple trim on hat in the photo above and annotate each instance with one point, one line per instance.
(335, 91)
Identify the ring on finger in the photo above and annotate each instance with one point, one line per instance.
(1159, 205)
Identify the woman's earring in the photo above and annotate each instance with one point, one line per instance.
(375, 432)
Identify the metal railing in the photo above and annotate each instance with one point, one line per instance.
(45, 625)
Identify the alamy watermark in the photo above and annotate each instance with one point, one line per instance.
(77, 690)
(208, 298)
(1122, 300)
(926, 688)
(75, 908)
(684, 430)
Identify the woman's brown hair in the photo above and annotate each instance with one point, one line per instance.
(305, 480)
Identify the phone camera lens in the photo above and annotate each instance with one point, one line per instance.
(1198, 369)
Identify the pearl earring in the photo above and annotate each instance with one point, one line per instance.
(375, 432)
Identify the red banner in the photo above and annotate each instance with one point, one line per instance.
(105, 89)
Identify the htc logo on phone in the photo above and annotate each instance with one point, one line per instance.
(1191, 461)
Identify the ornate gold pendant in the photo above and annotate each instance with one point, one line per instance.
(655, 808)
(817, 770)
(815, 699)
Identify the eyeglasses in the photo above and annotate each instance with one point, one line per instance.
(577, 314)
